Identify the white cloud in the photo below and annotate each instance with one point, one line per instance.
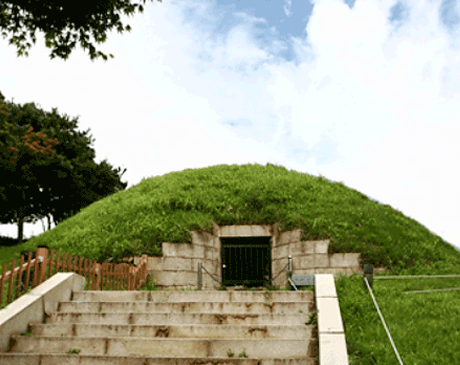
(368, 103)
(287, 7)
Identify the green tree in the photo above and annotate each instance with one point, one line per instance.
(18, 169)
(64, 23)
(54, 175)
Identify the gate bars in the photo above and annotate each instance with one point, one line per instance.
(201, 268)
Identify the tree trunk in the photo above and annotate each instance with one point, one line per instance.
(49, 222)
(20, 226)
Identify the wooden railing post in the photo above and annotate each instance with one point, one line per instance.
(42, 257)
(145, 260)
(97, 276)
(132, 278)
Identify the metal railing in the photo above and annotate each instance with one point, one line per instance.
(383, 320)
(200, 276)
(370, 277)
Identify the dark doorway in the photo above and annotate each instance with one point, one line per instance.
(246, 261)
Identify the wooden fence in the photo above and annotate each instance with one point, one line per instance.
(98, 276)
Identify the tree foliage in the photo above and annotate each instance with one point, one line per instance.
(50, 173)
(64, 23)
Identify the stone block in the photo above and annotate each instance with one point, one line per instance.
(171, 278)
(342, 270)
(177, 249)
(322, 260)
(344, 260)
(327, 270)
(325, 286)
(210, 253)
(261, 231)
(304, 271)
(153, 263)
(296, 262)
(177, 263)
(337, 260)
(296, 235)
(307, 261)
(355, 269)
(301, 248)
(227, 231)
(202, 238)
(332, 349)
(329, 318)
(194, 264)
(321, 246)
(277, 266)
(280, 252)
(280, 281)
(210, 265)
(284, 238)
(243, 231)
(351, 259)
(198, 252)
(216, 243)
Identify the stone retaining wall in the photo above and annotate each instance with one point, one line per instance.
(178, 267)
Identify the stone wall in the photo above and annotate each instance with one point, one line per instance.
(308, 257)
(178, 268)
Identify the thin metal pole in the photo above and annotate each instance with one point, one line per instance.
(383, 321)
(429, 291)
(200, 276)
(416, 277)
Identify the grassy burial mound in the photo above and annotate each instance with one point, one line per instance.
(166, 208)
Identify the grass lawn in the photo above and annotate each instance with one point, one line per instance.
(425, 327)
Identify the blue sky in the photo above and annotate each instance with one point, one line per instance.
(364, 92)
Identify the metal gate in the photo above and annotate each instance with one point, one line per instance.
(246, 261)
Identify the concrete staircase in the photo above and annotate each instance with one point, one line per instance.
(166, 327)
(173, 328)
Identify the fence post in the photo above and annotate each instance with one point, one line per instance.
(200, 276)
(97, 276)
(290, 267)
(20, 274)
(368, 274)
(42, 257)
(145, 259)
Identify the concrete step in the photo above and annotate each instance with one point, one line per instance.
(59, 359)
(126, 346)
(284, 332)
(178, 318)
(193, 296)
(187, 307)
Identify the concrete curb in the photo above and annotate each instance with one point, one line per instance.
(34, 306)
(332, 344)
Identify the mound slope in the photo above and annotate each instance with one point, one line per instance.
(166, 208)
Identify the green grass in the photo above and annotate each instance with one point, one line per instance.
(425, 327)
(167, 208)
(73, 351)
